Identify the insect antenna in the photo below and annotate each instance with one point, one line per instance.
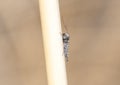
(63, 24)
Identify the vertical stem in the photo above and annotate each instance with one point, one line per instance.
(52, 39)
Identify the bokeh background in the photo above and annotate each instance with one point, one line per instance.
(94, 28)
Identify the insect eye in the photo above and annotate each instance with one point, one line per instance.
(65, 36)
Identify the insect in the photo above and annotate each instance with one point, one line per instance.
(66, 38)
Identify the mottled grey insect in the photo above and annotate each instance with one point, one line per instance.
(66, 38)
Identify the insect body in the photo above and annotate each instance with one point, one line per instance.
(66, 38)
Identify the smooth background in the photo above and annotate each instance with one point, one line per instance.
(94, 28)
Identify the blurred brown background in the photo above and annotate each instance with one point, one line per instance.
(94, 27)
